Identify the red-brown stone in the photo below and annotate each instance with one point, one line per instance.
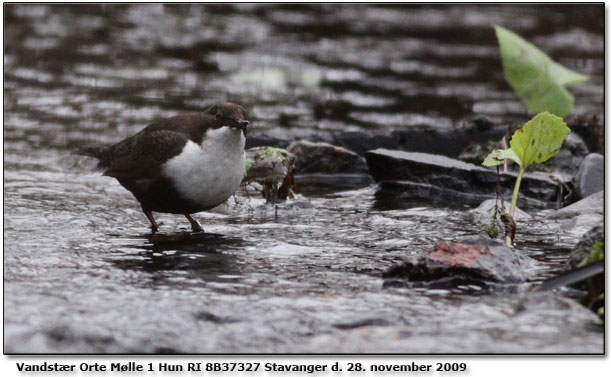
(458, 254)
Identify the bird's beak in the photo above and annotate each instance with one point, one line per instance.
(241, 124)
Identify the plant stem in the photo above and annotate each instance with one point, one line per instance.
(514, 200)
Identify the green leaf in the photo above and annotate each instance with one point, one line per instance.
(498, 156)
(249, 163)
(537, 79)
(539, 139)
(597, 253)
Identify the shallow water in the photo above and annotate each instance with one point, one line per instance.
(83, 275)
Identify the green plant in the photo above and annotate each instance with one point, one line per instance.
(598, 253)
(282, 156)
(595, 299)
(273, 169)
(538, 80)
(537, 141)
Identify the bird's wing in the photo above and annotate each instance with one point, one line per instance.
(141, 157)
(192, 125)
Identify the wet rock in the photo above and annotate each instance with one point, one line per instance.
(581, 224)
(484, 212)
(585, 245)
(472, 260)
(273, 169)
(591, 175)
(593, 204)
(580, 217)
(418, 139)
(325, 158)
(475, 153)
(454, 175)
(444, 142)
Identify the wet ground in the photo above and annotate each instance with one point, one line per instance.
(81, 273)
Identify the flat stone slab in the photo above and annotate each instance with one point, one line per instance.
(455, 175)
(471, 260)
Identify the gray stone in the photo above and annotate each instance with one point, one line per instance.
(325, 158)
(472, 259)
(455, 175)
(591, 175)
(581, 224)
(593, 204)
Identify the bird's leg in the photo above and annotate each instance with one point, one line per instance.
(194, 224)
(149, 215)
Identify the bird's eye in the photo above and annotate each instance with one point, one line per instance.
(217, 116)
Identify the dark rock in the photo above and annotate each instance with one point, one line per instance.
(591, 129)
(591, 175)
(481, 122)
(471, 260)
(325, 158)
(445, 142)
(475, 153)
(403, 194)
(454, 175)
(263, 140)
(569, 157)
(585, 245)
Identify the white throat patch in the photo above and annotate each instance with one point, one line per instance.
(208, 174)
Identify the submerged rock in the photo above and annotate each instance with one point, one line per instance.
(591, 175)
(472, 260)
(325, 158)
(456, 176)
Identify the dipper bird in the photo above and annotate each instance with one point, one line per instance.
(185, 164)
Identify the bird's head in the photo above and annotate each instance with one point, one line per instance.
(227, 114)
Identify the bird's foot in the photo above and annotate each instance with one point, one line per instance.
(194, 224)
(155, 228)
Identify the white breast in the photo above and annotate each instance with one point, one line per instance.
(208, 174)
